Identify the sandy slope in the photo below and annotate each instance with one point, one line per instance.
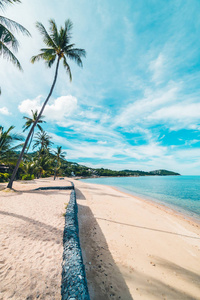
(31, 224)
(136, 250)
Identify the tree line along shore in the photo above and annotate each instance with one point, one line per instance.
(47, 160)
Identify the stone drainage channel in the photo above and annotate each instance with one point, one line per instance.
(74, 283)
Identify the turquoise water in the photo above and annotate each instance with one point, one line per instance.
(181, 193)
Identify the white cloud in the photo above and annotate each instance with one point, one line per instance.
(102, 142)
(56, 111)
(184, 115)
(157, 67)
(139, 111)
(182, 111)
(5, 111)
(90, 129)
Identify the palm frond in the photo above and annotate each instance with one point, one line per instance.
(74, 55)
(39, 127)
(68, 27)
(9, 55)
(46, 37)
(51, 61)
(7, 38)
(37, 58)
(54, 32)
(5, 2)
(67, 67)
(12, 25)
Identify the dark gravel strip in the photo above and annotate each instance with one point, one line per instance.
(74, 283)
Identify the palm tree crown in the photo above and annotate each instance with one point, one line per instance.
(42, 140)
(58, 46)
(59, 154)
(30, 121)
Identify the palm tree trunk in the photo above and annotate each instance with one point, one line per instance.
(55, 171)
(30, 142)
(32, 128)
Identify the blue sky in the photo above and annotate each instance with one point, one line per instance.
(135, 104)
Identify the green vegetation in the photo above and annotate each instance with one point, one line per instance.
(44, 162)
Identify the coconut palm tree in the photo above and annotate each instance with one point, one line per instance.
(58, 48)
(59, 154)
(42, 141)
(30, 121)
(7, 139)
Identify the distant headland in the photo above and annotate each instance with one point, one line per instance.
(74, 169)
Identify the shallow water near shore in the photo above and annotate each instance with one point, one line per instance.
(181, 193)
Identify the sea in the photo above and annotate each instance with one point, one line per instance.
(180, 193)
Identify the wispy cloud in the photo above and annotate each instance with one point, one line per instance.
(4, 111)
(157, 68)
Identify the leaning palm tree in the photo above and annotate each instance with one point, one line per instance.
(30, 121)
(59, 154)
(58, 48)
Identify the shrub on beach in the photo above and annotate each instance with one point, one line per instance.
(4, 177)
(28, 177)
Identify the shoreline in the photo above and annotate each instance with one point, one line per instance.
(164, 206)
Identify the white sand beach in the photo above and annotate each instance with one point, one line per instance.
(132, 249)
(31, 236)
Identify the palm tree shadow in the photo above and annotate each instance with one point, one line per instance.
(148, 285)
(104, 278)
(41, 231)
(79, 195)
(188, 275)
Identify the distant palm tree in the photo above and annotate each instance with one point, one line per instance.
(8, 42)
(58, 47)
(42, 141)
(44, 164)
(59, 154)
(7, 139)
(30, 122)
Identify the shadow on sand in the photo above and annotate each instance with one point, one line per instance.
(40, 230)
(104, 278)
